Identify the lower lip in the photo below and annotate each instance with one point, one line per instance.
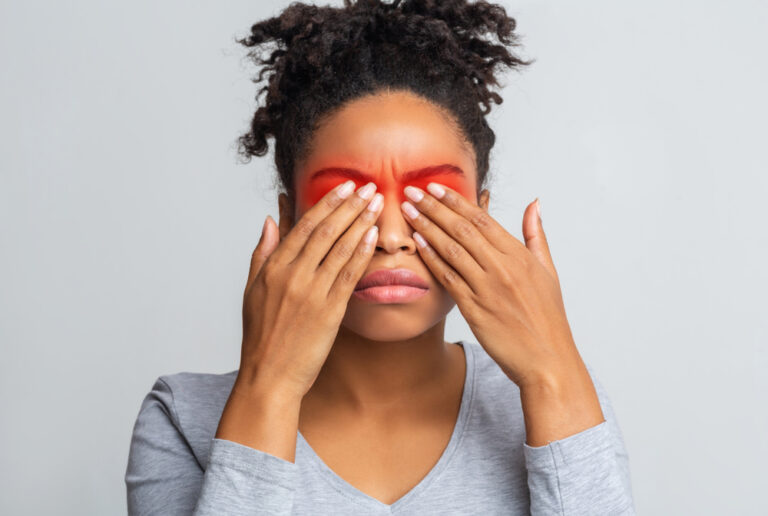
(390, 293)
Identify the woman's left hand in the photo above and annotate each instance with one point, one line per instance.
(508, 292)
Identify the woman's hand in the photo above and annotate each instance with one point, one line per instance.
(509, 293)
(298, 289)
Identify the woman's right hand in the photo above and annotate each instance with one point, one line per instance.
(298, 289)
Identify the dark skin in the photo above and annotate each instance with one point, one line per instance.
(384, 402)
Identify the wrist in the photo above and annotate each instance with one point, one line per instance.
(558, 405)
(265, 419)
(264, 392)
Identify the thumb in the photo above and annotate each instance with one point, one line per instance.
(267, 244)
(535, 239)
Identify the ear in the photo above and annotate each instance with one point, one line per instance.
(484, 199)
(286, 214)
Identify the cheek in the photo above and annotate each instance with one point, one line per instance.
(310, 194)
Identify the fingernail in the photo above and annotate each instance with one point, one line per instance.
(538, 208)
(370, 235)
(346, 189)
(366, 192)
(413, 193)
(410, 210)
(419, 239)
(436, 190)
(375, 204)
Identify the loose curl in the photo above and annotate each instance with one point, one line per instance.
(319, 58)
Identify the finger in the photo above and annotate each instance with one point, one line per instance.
(332, 226)
(297, 237)
(348, 277)
(455, 222)
(346, 246)
(267, 244)
(451, 251)
(535, 239)
(445, 274)
(493, 232)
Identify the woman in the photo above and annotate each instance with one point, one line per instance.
(348, 400)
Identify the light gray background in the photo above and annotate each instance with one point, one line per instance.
(127, 226)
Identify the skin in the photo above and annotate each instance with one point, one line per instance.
(398, 424)
(384, 136)
(385, 402)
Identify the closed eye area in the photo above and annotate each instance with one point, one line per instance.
(324, 180)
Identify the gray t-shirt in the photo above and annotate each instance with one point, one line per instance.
(176, 466)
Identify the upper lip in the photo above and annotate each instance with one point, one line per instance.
(398, 276)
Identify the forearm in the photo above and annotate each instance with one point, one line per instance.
(559, 403)
(576, 459)
(261, 418)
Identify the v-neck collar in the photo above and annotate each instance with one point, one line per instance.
(376, 505)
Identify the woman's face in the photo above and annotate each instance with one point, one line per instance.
(388, 138)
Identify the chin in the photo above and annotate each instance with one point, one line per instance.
(388, 322)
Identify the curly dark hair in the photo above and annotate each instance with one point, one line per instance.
(319, 58)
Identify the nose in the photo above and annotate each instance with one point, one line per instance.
(395, 234)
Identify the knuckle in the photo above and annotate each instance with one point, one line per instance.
(326, 230)
(480, 219)
(304, 227)
(294, 291)
(427, 203)
(362, 249)
(450, 200)
(270, 273)
(347, 277)
(453, 250)
(463, 230)
(331, 201)
(506, 280)
(449, 276)
(344, 250)
(268, 270)
(259, 253)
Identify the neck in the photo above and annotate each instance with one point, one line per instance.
(365, 375)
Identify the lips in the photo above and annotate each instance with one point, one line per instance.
(387, 277)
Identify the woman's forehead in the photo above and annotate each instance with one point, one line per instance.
(386, 135)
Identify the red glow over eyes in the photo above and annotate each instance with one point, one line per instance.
(311, 192)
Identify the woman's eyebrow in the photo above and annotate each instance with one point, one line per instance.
(410, 175)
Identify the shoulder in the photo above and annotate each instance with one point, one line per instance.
(193, 402)
(196, 397)
(200, 387)
(496, 398)
(491, 378)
